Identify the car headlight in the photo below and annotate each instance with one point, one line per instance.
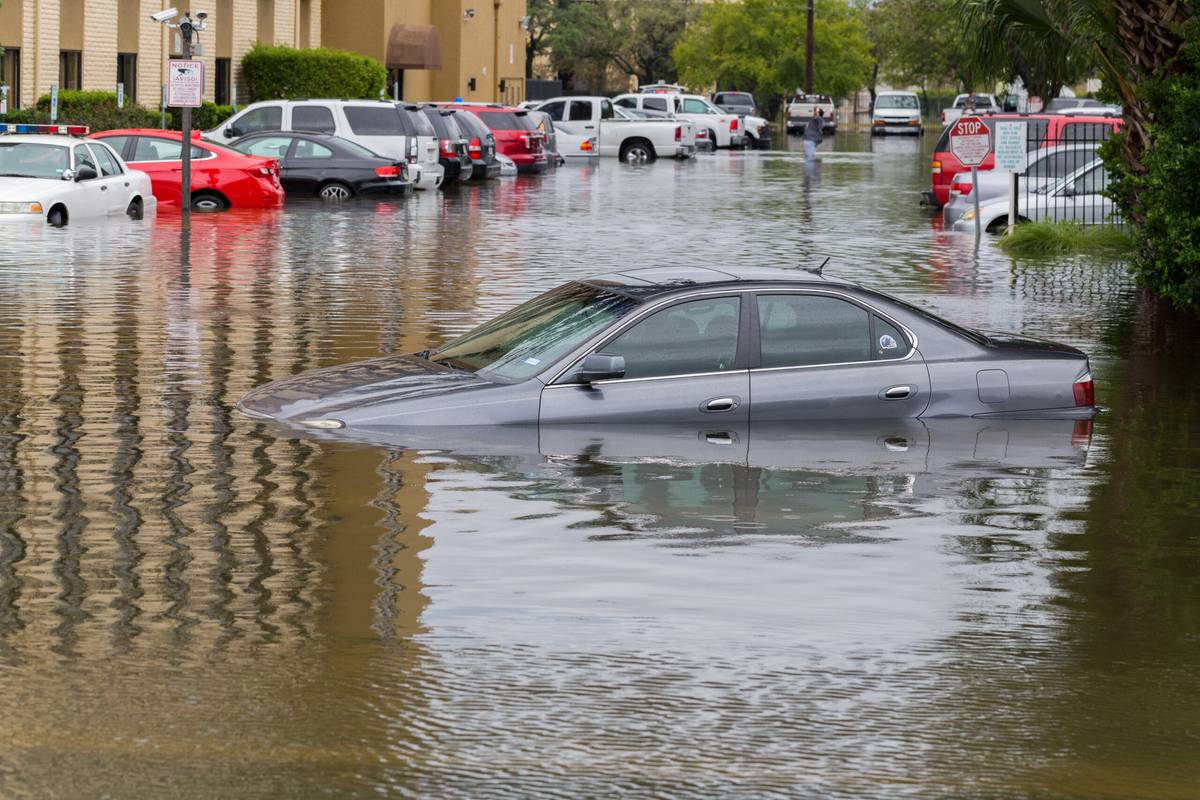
(20, 208)
(968, 215)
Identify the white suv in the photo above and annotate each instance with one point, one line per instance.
(390, 129)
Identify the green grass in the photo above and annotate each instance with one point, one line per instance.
(1058, 238)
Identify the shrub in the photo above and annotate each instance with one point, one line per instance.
(1163, 198)
(1056, 238)
(97, 110)
(204, 118)
(285, 73)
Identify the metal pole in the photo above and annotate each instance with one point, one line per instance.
(808, 52)
(1012, 201)
(185, 179)
(975, 194)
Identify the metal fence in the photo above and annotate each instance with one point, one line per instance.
(1064, 179)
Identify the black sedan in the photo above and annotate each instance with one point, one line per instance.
(481, 145)
(453, 152)
(326, 166)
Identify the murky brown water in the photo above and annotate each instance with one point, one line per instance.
(194, 605)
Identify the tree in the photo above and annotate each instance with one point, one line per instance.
(644, 35)
(922, 43)
(758, 45)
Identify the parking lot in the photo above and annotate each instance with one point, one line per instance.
(291, 617)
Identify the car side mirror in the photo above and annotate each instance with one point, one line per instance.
(68, 175)
(85, 173)
(601, 367)
(232, 132)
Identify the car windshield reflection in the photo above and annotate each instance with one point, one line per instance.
(32, 160)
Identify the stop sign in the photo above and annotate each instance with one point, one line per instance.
(970, 141)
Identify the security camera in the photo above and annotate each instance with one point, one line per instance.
(166, 15)
(469, 13)
(201, 15)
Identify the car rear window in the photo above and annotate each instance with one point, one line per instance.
(506, 121)
(375, 121)
(419, 122)
(471, 124)
(1074, 132)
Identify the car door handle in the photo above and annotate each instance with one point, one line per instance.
(718, 404)
(589, 127)
(722, 438)
(104, 188)
(896, 393)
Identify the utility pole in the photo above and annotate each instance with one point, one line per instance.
(808, 53)
(186, 29)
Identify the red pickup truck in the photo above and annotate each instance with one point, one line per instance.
(1046, 130)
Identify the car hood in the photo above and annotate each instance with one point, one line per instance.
(363, 383)
(25, 190)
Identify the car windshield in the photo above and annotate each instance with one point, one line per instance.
(974, 100)
(526, 340)
(33, 160)
(896, 101)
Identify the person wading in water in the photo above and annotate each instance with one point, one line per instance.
(813, 133)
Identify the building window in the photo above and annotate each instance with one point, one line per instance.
(127, 74)
(70, 69)
(10, 75)
(266, 21)
(305, 24)
(224, 83)
(395, 83)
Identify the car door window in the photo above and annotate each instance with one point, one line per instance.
(693, 337)
(804, 330)
(83, 158)
(152, 148)
(655, 103)
(627, 102)
(1092, 182)
(108, 165)
(606, 110)
(117, 143)
(581, 111)
(554, 110)
(313, 119)
(887, 341)
(312, 150)
(268, 146)
(692, 106)
(266, 118)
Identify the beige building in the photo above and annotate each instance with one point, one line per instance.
(434, 49)
(437, 49)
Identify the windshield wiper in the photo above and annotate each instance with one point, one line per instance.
(454, 364)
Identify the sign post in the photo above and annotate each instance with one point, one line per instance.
(53, 103)
(1011, 157)
(185, 90)
(970, 142)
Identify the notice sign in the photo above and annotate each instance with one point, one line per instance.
(185, 83)
(1010, 146)
(970, 141)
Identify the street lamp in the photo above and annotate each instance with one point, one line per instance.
(188, 29)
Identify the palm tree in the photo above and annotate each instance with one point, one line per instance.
(1131, 41)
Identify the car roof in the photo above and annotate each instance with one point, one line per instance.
(41, 138)
(653, 281)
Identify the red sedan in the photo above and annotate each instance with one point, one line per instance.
(221, 178)
(516, 135)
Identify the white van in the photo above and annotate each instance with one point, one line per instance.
(390, 129)
(896, 112)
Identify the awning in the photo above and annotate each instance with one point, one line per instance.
(413, 47)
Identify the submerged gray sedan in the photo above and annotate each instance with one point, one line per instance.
(695, 345)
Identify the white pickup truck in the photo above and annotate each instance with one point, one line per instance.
(628, 138)
(804, 107)
(725, 130)
(982, 103)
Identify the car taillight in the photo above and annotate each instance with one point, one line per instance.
(937, 168)
(388, 172)
(586, 145)
(961, 188)
(679, 133)
(733, 124)
(1085, 391)
(447, 147)
(475, 148)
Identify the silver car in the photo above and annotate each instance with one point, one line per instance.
(1079, 197)
(1047, 165)
(694, 346)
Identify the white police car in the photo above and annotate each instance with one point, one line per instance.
(47, 173)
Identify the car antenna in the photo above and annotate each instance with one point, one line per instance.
(817, 270)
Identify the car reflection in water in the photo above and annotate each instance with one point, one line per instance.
(822, 482)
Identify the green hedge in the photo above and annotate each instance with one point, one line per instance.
(274, 73)
(1164, 197)
(98, 110)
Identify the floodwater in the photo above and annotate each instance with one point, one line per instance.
(196, 605)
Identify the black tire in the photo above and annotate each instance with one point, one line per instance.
(638, 151)
(208, 202)
(136, 209)
(335, 191)
(57, 217)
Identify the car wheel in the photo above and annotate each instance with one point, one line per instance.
(207, 202)
(637, 152)
(135, 209)
(57, 217)
(335, 190)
